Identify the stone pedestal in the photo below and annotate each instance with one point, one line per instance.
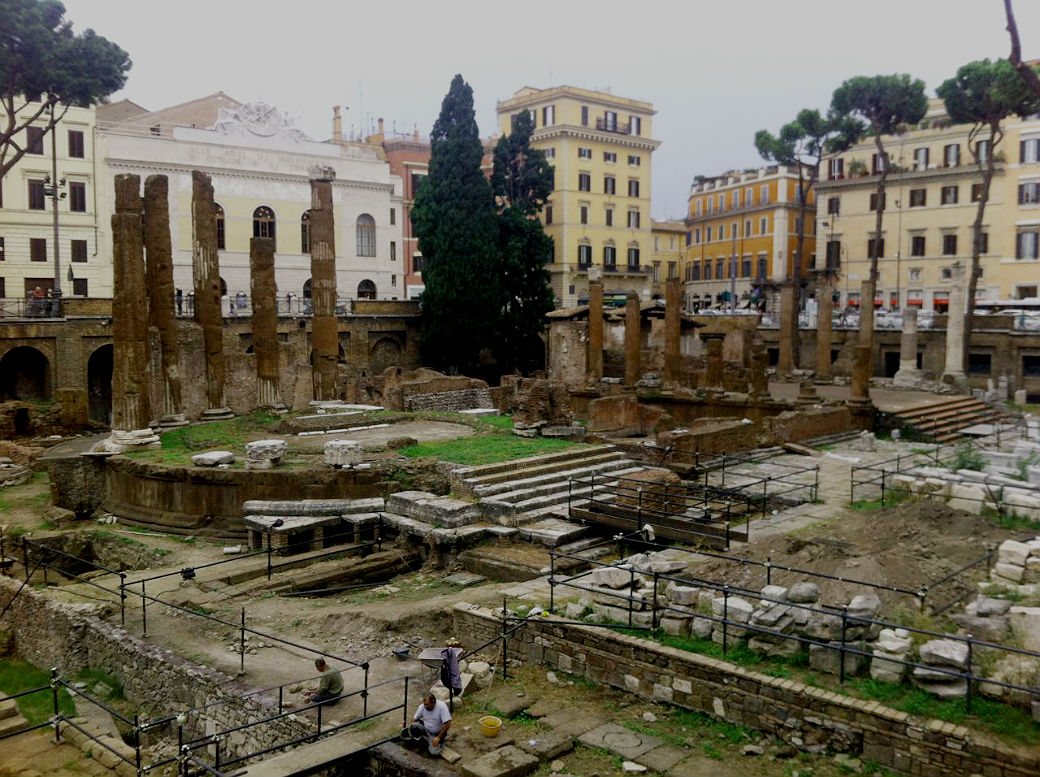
(759, 367)
(908, 374)
(807, 393)
(343, 453)
(860, 393)
(159, 275)
(265, 454)
(713, 359)
(206, 276)
(953, 372)
(131, 440)
(672, 333)
(594, 359)
(788, 330)
(324, 327)
(633, 326)
(265, 322)
(825, 309)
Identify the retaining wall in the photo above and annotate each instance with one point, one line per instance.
(807, 717)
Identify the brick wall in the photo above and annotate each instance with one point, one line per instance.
(809, 718)
(450, 401)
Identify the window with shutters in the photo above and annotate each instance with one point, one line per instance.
(610, 157)
(633, 187)
(608, 217)
(833, 254)
(37, 199)
(707, 270)
(949, 245)
(609, 257)
(747, 228)
(633, 259)
(707, 238)
(948, 195)
(610, 121)
(877, 163)
(763, 195)
(982, 149)
(918, 198)
(763, 225)
(917, 246)
(34, 140)
(835, 169)
(584, 255)
(584, 115)
(609, 184)
(1029, 150)
(584, 153)
(834, 206)
(634, 160)
(633, 219)
(1026, 244)
(635, 125)
(921, 158)
(77, 197)
(1029, 193)
(548, 115)
(583, 214)
(76, 147)
(951, 155)
(79, 250)
(584, 182)
(720, 268)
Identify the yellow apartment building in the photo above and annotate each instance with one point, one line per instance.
(930, 204)
(668, 248)
(743, 229)
(27, 257)
(599, 212)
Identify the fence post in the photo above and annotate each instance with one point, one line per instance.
(216, 759)
(281, 696)
(765, 496)
(25, 557)
(144, 611)
(844, 625)
(505, 653)
(137, 742)
(181, 760)
(639, 507)
(122, 598)
(653, 610)
(725, 618)
(922, 592)
(405, 711)
(268, 554)
(723, 470)
(54, 701)
(769, 570)
(968, 675)
(631, 593)
(242, 645)
(552, 580)
(318, 733)
(816, 484)
(364, 693)
(882, 486)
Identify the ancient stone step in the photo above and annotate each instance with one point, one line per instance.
(484, 470)
(522, 490)
(552, 532)
(526, 478)
(8, 709)
(12, 723)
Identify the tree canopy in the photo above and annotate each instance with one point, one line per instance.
(884, 102)
(984, 92)
(455, 222)
(522, 177)
(43, 64)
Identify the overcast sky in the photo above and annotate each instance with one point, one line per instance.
(715, 71)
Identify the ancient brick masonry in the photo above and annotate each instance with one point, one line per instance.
(672, 357)
(595, 357)
(788, 330)
(824, 320)
(265, 321)
(633, 339)
(324, 329)
(130, 405)
(159, 273)
(206, 273)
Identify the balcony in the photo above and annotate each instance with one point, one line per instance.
(620, 128)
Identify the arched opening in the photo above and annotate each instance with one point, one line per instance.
(385, 353)
(307, 287)
(366, 290)
(219, 212)
(263, 222)
(99, 385)
(25, 373)
(305, 232)
(223, 288)
(366, 235)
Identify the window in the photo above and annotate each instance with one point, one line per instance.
(707, 238)
(835, 169)
(633, 187)
(37, 199)
(76, 150)
(393, 251)
(878, 163)
(79, 287)
(763, 194)
(917, 246)
(698, 208)
(697, 235)
(584, 255)
(722, 202)
(834, 205)
(609, 184)
(976, 192)
(219, 212)
(633, 258)
(366, 289)
(736, 198)
(722, 231)
(745, 267)
(763, 225)
(365, 228)
(548, 115)
(608, 217)
(949, 245)
(982, 149)
(610, 121)
(34, 140)
(635, 125)
(696, 271)
(760, 269)
(584, 153)
(417, 180)
(634, 160)
(949, 195)
(550, 153)
(880, 247)
(584, 182)
(720, 268)
(1029, 150)
(1029, 193)
(633, 219)
(37, 249)
(609, 258)
(263, 222)
(918, 198)
(2, 254)
(583, 214)
(707, 270)
(418, 262)
(584, 115)
(747, 228)
(914, 274)
(920, 159)
(833, 254)
(951, 155)
(983, 244)
(1026, 244)
(548, 214)
(979, 363)
(610, 157)
(945, 274)
(393, 281)
(874, 201)
(78, 197)
(79, 250)
(393, 216)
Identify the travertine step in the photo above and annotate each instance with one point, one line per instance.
(563, 470)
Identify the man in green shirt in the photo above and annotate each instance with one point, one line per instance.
(330, 686)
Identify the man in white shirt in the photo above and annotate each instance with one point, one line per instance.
(431, 722)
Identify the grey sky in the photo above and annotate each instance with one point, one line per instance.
(715, 71)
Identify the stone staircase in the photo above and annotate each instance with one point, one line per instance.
(10, 718)
(947, 420)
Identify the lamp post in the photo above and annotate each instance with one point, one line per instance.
(51, 186)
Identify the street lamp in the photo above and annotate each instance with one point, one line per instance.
(51, 186)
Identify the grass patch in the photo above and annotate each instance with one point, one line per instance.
(177, 445)
(17, 676)
(93, 677)
(501, 422)
(1009, 521)
(891, 500)
(486, 448)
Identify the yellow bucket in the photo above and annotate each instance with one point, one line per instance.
(490, 725)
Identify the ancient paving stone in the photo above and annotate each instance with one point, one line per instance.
(508, 761)
(213, 458)
(620, 741)
(508, 703)
(545, 746)
(663, 758)
(464, 578)
(572, 721)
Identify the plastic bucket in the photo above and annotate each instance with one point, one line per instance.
(490, 725)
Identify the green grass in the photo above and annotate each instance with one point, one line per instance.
(94, 676)
(503, 422)
(178, 444)
(892, 498)
(486, 448)
(1009, 521)
(17, 676)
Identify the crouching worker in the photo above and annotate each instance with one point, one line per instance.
(330, 687)
(430, 724)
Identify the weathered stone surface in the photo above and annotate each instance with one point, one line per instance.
(986, 606)
(546, 744)
(774, 593)
(14, 474)
(619, 740)
(1012, 572)
(264, 290)
(206, 276)
(611, 577)
(1012, 552)
(992, 629)
(682, 594)
(864, 606)
(803, 593)
(945, 653)
(324, 327)
(968, 498)
(735, 608)
(213, 458)
(265, 454)
(508, 761)
(894, 641)
(886, 667)
(702, 628)
(1025, 625)
(829, 659)
(343, 453)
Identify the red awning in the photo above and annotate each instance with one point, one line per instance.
(941, 300)
(918, 302)
(854, 303)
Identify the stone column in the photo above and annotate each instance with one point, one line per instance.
(324, 328)
(713, 359)
(825, 308)
(861, 376)
(206, 276)
(672, 332)
(159, 272)
(633, 325)
(908, 374)
(862, 365)
(130, 383)
(263, 290)
(759, 367)
(595, 345)
(953, 372)
(788, 330)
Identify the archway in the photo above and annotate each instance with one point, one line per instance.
(25, 373)
(366, 290)
(99, 385)
(385, 353)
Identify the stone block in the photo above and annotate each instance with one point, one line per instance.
(785, 648)
(1032, 572)
(991, 629)
(957, 689)
(893, 641)
(1025, 626)
(773, 618)
(827, 659)
(735, 608)
(773, 594)
(864, 606)
(265, 454)
(213, 458)
(702, 628)
(1012, 572)
(611, 577)
(885, 667)
(676, 626)
(547, 745)
(619, 740)
(986, 606)
(944, 653)
(803, 593)
(683, 594)
(1012, 552)
(968, 498)
(508, 761)
(343, 453)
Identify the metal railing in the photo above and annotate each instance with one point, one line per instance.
(27, 307)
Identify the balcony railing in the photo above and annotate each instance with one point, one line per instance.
(622, 128)
(27, 307)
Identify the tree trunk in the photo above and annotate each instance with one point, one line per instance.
(976, 239)
(796, 271)
(866, 306)
(1024, 70)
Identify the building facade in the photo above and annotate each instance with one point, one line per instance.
(931, 199)
(601, 150)
(27, 237)
(744, 236)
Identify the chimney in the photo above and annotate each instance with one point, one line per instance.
(337, 125)
(415, 134)
(380, 126)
